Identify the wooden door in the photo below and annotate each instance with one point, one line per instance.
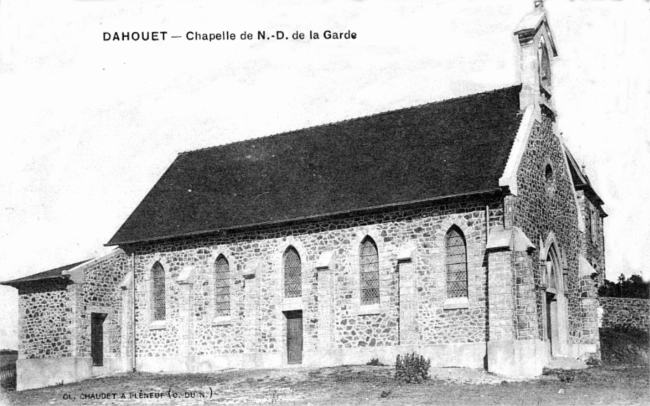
(97, 338)
(294, 337)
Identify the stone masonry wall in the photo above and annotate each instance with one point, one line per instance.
(543, 207)
(627, 312)
(101, 294)
(257, 304)
(526, 317)
(55, 314)
(44, 324)
(593, 241)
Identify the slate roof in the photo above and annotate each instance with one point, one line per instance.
(441, 149)
(51, 274)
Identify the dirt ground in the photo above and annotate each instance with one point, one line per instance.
(349, 385)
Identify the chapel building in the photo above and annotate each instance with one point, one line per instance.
(463, 230)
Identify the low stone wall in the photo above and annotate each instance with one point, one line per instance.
(627, 312)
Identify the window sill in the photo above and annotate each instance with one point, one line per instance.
(222, 321)
(158, 325)
(369, 309)
(456, 303)
(292, 303)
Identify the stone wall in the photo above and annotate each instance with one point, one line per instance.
(593, 241)
(45, 325)
(256, 323)
(55, 313)
(625, 312)
(100, 293)
(546, 210)
(54, 324)
(526, 317)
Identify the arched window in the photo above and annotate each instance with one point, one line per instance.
(549, 177)
(552, 269)
(292, 273)
(158, 274)
(222, 286)
(544, 65)
(589, 223)
(369, 261)
(548, 173)
(594, 217)
(456, 263)
(551, 276)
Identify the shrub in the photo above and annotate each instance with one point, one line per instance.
(592, 361)
(567, 375)
(375, 363)
(412, 368)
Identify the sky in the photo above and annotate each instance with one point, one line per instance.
(87, 126)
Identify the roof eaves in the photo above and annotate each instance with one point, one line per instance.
(14, 283)
(305, 218)
(55, 273)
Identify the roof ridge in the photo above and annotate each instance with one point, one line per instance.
(417, 106)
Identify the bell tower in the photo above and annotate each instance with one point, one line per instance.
(537, 50)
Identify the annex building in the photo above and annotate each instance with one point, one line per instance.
(463, 229)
